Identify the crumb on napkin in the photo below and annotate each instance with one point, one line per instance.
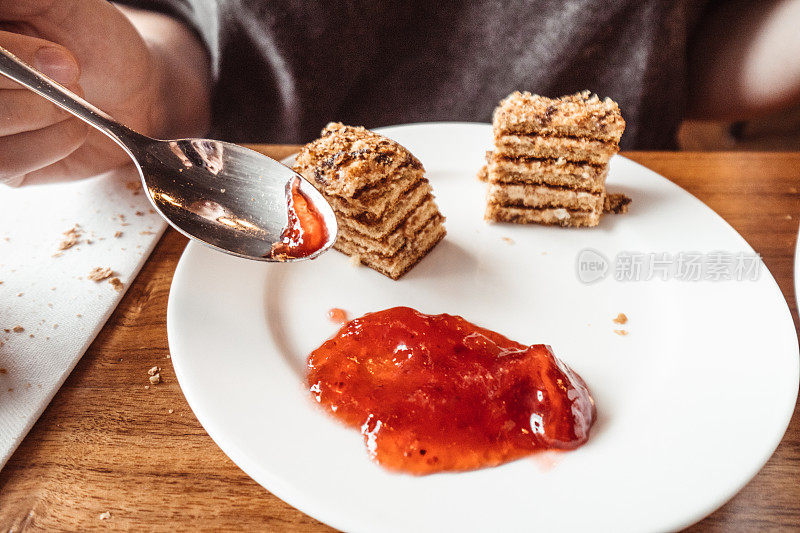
(100, 273)
(71, 238)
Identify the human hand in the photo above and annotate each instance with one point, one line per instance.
(95, 50)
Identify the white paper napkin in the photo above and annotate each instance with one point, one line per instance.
(50, 311)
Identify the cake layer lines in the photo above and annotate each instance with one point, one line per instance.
(545, 147)
(391, 219)
(405, 232)
(547, 215)
(411, 253)
(521, 195)
(553, 172)
(377, 202)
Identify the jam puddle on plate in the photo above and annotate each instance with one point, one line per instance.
(305, 232)
(433, 393)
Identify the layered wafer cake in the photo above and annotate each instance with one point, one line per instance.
(550, 159)
(384, 205)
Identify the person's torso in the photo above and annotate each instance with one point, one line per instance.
(289, 67)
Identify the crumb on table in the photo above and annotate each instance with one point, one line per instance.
(621, 319)
(620, 332)
(116, 283)
(155, 376)
(105, 516)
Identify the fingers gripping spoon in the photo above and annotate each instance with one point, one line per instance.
(223, 195)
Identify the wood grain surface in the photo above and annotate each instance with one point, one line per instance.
(108, 444)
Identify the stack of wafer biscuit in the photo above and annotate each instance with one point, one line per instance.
(384, 205)
(550, 159)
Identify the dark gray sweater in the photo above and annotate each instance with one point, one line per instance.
(284, 68)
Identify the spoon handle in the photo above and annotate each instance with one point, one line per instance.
(12, 67)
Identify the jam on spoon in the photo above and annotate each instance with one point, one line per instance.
(434, 393)
(305, 232)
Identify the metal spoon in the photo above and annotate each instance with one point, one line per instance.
(223, 195)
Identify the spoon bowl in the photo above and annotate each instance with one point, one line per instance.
(229, 197)
(225, 196)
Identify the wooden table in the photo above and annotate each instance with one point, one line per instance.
(107, 443)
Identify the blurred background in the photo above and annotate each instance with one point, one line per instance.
(776, 131)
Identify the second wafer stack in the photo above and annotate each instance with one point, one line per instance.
(550, 159)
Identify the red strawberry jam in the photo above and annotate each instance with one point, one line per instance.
(433, 393)
(305, 232)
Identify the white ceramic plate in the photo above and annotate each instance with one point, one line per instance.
(691, 403)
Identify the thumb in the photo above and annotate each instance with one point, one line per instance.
(47, 57)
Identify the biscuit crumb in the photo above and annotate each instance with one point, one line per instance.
(621, 319)
(155, 376)
(147, 386)
(117, 235)
(71, 237)
(170, 411)
(788, 217)
(100, 273)
(620, 332)
(508, 240)
(105, 516)
(147, 232)
(17, 329)
(139, 213)
(355, 260)
(616, 203)
(20, 294)
(116, 283)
